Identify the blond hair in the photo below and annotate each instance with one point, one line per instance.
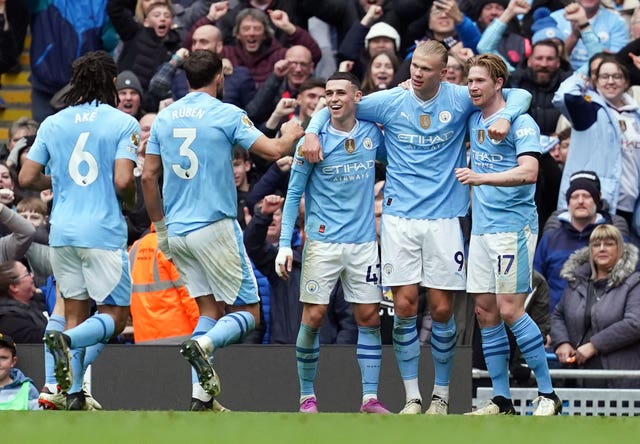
(494, 65)
(601, 233)
(433, 48)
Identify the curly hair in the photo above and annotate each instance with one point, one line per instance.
(93, 78)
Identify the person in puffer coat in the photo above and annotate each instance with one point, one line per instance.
(596, 324)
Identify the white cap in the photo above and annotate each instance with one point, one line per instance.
(382, 29)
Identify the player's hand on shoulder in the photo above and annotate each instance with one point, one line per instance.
(284, 262)
(405, 85)
(499, 129)
(311, 149)
(293, 129)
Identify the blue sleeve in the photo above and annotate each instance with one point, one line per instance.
(297, 183)
(318, 120)
(518, 102)
(526, 135)
(372, 106)
(619, 35)
(469, 33)
(592, 44)
(381, 151)
(490, 39)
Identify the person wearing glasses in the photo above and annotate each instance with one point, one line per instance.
(594, 326)
(605, 136)
(21, 307)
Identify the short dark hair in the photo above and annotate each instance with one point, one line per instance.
(240, 153)
(7, 341)
(201, 67)
(348, 76)
(547, 42)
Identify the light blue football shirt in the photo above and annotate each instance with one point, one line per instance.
(195, 137)
(79, 146)
(338, 190)
(502, 209)
(425, 143)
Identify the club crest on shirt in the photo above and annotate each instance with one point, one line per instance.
(368, 144)
(246, 121)
(623, 125)
(135, 139)
(480, 136)
(350, 146)
(425, 121)
(444, 116)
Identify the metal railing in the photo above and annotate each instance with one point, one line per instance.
(576, 401)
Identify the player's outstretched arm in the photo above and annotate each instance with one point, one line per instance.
(32, 177)
(274, 149)
(518, 102)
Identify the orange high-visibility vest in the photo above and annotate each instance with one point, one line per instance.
(160, 304)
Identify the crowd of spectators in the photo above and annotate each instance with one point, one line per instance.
(579, 60)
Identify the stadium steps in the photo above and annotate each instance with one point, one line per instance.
(16, 93)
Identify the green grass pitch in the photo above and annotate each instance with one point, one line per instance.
(142, 427)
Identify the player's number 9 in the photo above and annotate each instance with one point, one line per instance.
(189, 135)
(80, 156)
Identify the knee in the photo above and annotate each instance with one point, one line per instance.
(510, 315)
(313, 314)
(404, 307)
(369, 318)
(441, 312)
(483, 315)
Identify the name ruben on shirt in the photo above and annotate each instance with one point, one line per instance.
(191, 112)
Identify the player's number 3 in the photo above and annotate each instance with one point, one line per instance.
(189, 135)
(78, 157)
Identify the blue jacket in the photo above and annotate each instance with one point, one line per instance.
(62, 31)
(595, 140)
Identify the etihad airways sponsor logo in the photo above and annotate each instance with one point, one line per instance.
(432, 141)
